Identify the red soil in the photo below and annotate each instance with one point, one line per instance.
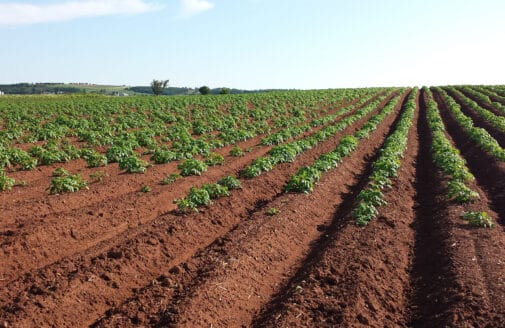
(87, 260)
(240, 271)
(41, 229)
(119, 258)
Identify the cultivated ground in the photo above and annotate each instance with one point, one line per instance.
(112, 256)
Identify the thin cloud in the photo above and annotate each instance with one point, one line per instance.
(25, 14)
(193, 7)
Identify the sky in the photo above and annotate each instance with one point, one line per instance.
(254, 44)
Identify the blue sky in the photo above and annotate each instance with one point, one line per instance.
(254, 44)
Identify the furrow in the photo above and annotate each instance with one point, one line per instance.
(355, 276)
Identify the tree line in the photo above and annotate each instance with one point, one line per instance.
(158, 86)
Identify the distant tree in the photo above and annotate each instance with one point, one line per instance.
(205, 90)
(158, 85)
(224, 91)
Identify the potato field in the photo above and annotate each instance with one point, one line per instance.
(378, 207)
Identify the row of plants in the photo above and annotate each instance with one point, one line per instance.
(11, 156)
(499, 90)
(126, 127)
(386, 167)
(290, 127)
(288, 152)
(103, 118)
(478, 135)
(63, 181)
(446, 157)
(486, 96)
(204, 195)
(448, 160)
(59, 149)
(494, 120)
(306, 177)
(294, 131)
(285, 135)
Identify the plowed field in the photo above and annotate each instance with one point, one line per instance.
(113, 256)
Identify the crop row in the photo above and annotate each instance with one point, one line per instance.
(446, 157)
(495, 120)
(480, 136)
(449, 161)
(98, 120)
(280, 112)
(385, 168)
(288, 152)
(499, 90)
(204, 195)
(307, 176)
(221, 129)
(484, 95)
(288, 133)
